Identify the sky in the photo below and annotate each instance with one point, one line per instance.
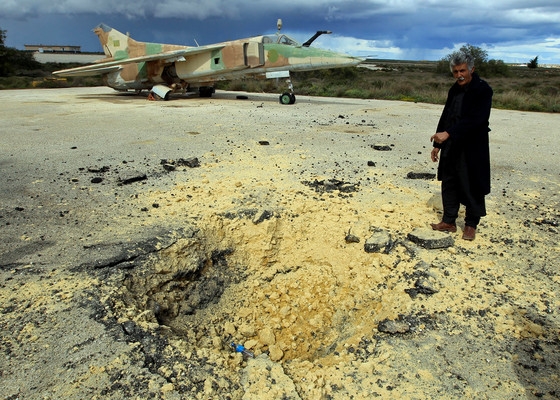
(515, 31)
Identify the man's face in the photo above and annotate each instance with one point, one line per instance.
(462, 74)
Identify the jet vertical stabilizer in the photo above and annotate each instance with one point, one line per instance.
(115, 44)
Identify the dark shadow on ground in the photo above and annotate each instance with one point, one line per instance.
(536, 358)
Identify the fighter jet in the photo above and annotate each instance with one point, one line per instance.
(163, 69)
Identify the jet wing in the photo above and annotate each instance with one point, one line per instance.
(104, 67)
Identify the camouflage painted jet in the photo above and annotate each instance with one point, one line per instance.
(163, 68)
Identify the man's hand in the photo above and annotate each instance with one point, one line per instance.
(435, 152)
(440, 137)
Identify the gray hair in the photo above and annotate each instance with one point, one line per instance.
(460, 57)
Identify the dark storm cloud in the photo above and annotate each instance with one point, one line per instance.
(410, 29)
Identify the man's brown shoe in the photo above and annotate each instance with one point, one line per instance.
(444, 227)
(469, 233)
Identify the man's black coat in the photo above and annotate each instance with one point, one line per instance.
(468, 135)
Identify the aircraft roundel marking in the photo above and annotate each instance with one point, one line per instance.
(272, 56)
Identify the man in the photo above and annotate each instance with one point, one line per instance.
(461, 145)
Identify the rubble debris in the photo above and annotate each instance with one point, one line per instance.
(98, 170)
(191, 162)
(130, 177)
(262, 215)
(421, 175)
(350, 238)
(423, 285)
(393, 327)
(380, 241)
(331, 185)
(381, 147)
(430, 239)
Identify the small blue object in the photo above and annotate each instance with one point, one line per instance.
(239, 348)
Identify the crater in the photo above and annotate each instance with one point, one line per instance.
(282, 282)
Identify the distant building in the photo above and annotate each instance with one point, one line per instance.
(42, 48)
(61, 54)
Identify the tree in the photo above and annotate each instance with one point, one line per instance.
(480, 56)
(482, 65)
(13, 61)
(534, 63)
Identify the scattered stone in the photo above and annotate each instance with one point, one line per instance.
(229, 328)
(422, 267)
(350, 238)
(264, 376)
(393, 327)
(421, 175)
(422, 286)
(387, 207)
(545, 221)
(129, 327)
(97, 179)
(330, 185)
(264, 142)
(130, 177)
(168, 387)
(435, 202)
(169, 167)
(267, 337)
(241, 213)
(262, 215)
(191, 162)
(275, 352)
(430, 239)
(247, 330)
(371, 164)
(379, 242)
(98, 170)
(381, 147)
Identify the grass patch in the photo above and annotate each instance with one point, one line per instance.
(522, 89)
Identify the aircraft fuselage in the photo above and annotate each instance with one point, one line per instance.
(236, 59)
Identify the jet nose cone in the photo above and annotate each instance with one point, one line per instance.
(350, 61)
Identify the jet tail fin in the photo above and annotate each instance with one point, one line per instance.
(116, 45)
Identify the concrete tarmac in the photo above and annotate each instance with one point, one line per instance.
(83, 192)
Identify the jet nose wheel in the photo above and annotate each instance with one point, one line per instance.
(287, 98)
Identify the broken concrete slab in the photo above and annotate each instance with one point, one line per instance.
(379, 242)
(430, 239)
(126, 178)
(393, 327)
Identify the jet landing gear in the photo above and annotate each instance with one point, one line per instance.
(288, 97)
